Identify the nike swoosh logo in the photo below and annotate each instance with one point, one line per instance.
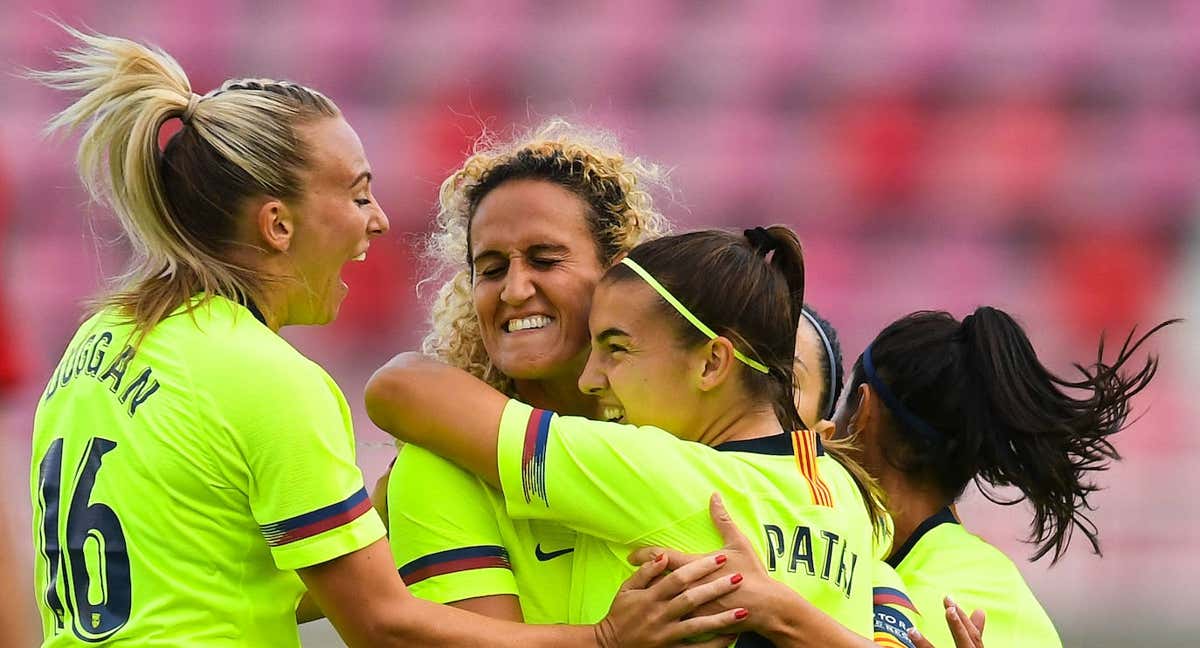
(543, 556)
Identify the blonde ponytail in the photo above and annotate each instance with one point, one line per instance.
(130, 90)
(178, 206)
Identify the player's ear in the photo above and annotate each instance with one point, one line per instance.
(274, 224)
(716, 364)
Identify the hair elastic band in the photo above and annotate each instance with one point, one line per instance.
(828, 354)
(761, 240)
(687, 314)
(910, 420)
(186, 117)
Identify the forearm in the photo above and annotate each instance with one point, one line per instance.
(429, 624)
(440, 408)
(365, 600)
(790, 621)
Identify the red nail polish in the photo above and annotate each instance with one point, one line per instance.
(735, 579)
(721, 559)
(741, 614)
(660, 558)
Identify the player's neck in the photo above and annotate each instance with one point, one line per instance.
(273, 309)
(909, 504)
(732, 424)
(560, 395)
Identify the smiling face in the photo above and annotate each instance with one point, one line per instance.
(335, 218)
(639, 370)
(535, 267)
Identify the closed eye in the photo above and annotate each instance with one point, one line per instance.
(544, 263)
(491, 272)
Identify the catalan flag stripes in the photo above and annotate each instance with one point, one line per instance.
(804, 443)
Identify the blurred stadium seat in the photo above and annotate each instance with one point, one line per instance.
(1042, 156)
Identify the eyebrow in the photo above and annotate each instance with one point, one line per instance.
(610, 333)
(547, 247)
(486, 254)
(541, 248)
(358, 178)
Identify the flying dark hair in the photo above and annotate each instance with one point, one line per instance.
(832, 366)
(971, 401)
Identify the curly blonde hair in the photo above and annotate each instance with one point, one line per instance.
(587, 162)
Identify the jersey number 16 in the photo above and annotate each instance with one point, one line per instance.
(95, 565)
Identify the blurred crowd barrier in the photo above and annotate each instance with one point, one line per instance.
(1038, 156)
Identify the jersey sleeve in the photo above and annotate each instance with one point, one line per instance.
(292, 427)
(615, 482)
(895, 613)
(445, 537)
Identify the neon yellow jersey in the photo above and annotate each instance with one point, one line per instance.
(453, 539)
(622, 487)
(942, 558)
(177, 484)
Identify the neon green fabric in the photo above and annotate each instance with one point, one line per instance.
(942, 558)
(622, 486)
(177, 484)
(895, 612)
(452, 539)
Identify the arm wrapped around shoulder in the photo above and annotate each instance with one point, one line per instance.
(393, 388)
(438, 407)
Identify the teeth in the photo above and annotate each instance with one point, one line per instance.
(361, 257)
(525, 323)
(613, 414)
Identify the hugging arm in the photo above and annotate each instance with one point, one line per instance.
(443, 409)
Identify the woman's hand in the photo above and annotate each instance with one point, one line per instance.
(649, 608)
(967, 631)
(781, 614)
(741, 561)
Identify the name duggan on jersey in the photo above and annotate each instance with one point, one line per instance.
(93, 358)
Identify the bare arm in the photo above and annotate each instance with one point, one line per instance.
(365, 600)
(498, 606)
(438, 407)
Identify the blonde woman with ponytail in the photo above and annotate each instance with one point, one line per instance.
(192, 473)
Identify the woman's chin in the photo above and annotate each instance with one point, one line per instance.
(542, 367)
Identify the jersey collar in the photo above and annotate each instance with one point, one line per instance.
(255, 312)
(944, 516)
(779, 444)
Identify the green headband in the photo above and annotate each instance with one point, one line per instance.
(683, 310)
